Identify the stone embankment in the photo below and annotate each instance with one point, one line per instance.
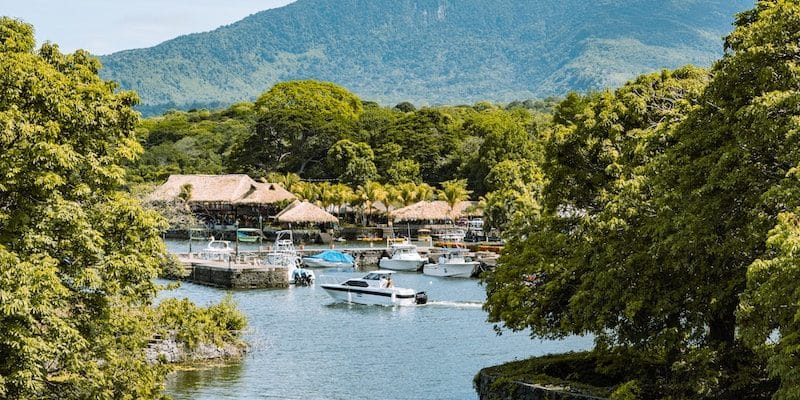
(170, 350)
(524, 391)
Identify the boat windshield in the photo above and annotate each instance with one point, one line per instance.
(374, 276)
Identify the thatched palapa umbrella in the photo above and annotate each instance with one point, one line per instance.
(305, 212)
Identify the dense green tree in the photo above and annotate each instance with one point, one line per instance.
(745, 167)
(77, 255)
(504, 136)
(591, 249)
(373, 121)
(402, 171)
(426, 137)
(194, 142)
(515, 193)
(296, 123)
(352, 163)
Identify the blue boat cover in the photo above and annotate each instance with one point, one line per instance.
(334, 256)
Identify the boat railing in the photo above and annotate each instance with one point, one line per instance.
(248, 257)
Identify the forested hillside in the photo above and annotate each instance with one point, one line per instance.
(428, 51)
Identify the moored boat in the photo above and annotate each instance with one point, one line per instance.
(249, 235)
(329, 259)
(218, 250)
(402, 257)
(284, 255)
(375, 288)
(453, 263)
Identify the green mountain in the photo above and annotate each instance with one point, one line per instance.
(428, 51)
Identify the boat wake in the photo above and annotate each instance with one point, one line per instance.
(453, 304)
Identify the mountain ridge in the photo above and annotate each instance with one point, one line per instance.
(428, 51)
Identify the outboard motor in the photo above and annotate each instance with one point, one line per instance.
(421, 298)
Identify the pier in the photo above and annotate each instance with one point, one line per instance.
(232, 274)
(245, 270)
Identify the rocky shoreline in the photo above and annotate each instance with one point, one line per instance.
(170, 350)
(484, 385)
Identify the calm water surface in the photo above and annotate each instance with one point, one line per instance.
(307, 347)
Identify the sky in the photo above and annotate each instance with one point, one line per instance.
(106, 26)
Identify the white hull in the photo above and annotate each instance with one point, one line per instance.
(320, 263)
(460, 270)
(400, 265)
(371, 295)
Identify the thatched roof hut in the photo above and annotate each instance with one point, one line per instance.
(229, 189)
(304, 212)
(266, 193)
(205, 188)
(432, 211)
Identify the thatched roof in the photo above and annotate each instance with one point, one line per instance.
(432, 211)
(266, 193)
(300, 212)
(230, 189)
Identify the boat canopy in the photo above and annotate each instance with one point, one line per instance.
(333, 256)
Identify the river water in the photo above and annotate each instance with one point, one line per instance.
(304, 346)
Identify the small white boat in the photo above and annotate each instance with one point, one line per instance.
(329, 259)
(284, 255)
(450, 234)
(375, 288)
(453, 263)
(218, 250)
(403, 257)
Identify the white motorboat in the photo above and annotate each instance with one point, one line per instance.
(284, 255)
(403, 257)
(218, 250)
(375, 288)
(452, 263)
(451, 234)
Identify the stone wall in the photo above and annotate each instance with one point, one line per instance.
(368, 258)
(238, 278)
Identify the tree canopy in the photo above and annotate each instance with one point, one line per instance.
(296, 123)
(669, 203)
(77, 254)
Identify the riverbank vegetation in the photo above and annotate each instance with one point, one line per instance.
(78, 255)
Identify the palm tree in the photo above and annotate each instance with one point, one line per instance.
(326, 195)
(454, 192)
(341, 194)
(407, 193)
(425, 192)
(393, 196)
(287, 180)
(306, 191)
(370, 193)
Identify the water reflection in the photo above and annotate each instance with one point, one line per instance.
(219, 376)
